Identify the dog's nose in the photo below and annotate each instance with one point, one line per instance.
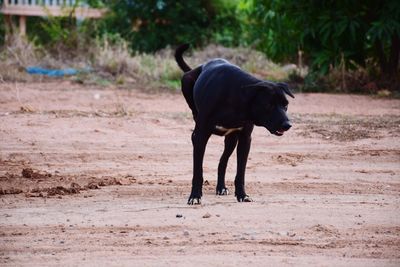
(286, 125)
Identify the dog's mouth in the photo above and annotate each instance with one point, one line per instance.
(282, 129)
(279, 132)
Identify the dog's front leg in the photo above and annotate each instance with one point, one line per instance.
(243, 150)
(230, 145)
(199, 140)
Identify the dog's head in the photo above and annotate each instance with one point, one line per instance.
(269, 106)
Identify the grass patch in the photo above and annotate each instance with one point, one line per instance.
(109, 61)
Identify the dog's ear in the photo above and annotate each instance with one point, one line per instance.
(285, 88)
(271, 85)
(261, 84)
(252, 90)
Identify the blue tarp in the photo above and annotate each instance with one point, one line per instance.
(51, 72)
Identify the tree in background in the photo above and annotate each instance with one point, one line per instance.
(227, 22)
(345, 34)
(153, 24)
(331, 33)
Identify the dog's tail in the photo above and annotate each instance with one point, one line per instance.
(179, 59)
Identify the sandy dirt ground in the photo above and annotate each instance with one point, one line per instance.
(93, 176)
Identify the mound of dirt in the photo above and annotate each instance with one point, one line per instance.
(31, 174)
(45, 184)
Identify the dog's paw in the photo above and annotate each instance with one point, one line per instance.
(244, 198)
(223, 191)
(194, 201)
(195, 197)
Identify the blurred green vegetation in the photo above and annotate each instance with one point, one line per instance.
(349, 42)
(331, 34)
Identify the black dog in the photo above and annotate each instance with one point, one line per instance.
(227, 101)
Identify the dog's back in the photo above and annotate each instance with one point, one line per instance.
(219, 77)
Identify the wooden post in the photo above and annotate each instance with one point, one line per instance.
(9, 27)
(22, 25)
(300, 61)
(343, 63)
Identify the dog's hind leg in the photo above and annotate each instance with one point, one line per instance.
(231, 141)
(188, 81)
(199, 140)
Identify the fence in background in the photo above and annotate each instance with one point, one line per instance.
(43, 8)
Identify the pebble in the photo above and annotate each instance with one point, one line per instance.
(207, 215)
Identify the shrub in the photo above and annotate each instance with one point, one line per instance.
(152, 25)
(332, 34)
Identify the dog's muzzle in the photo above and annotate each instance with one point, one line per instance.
(285, 127)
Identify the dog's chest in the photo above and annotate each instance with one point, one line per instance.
(225, 131)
